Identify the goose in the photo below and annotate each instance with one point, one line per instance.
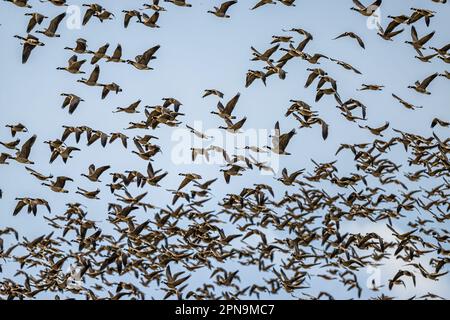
(104, 15)
(281, 39)
(93, 195)
(29, 43)
(199, 151)
(95, 173)
(407, 105)
(445, 59)
(199, 134)
(280, 141)
(442, 123)
(315, 58)
(94, 135)
(99, 54)
(225, 112)
(366, 11)
(353, 36)
(92, 9)
(132, 108)
(300, 31)
(311, 121)
(233, 127)
(72, 101)
(93, 78)
(313, 75)
(252, 75)
(130, 14)
(234, 170)
(441, 51)
(114, 87)
(346, 66)
(389, 33)
(63, 152)
(376, 131)
(209, 92)
(11, 145)
(371, 87)
(417, 43)
(32, 205)
(80, 48)
(180, 3)
(58, 185)
(221, 11)
(117, 55)
(188, 178)
(150, 21)
(172, 101)
(276, 69)
(264, 56)
(421, 87)
(141, 61)
(24, 153)
(118, 135)
(58, 3)
(53, 26)
(4, 157)
(427, 58)
(74, 65)
(289, 3)
(16, 128)
(327, 92)
(293, 52)
(36, 18)
(446, 74)
(289, 179)
(419, 14)
(261, 3)
(154, 6)
(20, 3)
(38, 175)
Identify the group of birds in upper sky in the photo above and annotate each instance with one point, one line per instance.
(399, 179)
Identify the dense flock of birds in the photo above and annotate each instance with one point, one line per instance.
(163, 247)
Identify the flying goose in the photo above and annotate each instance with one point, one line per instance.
(11, 145)
(117, 55)
(16, 128)
(225, 112)
(221, 11)
(261, 3)
(346, 65)
(233, 127)
(154, 6)
(417, 43)
(264, 56)
(366, 11)
(421, 87)
(53, 26)
(234, 170)
(118, 135)
(376, 131)
(188, 178)
(99, 54)
(419, 14)
(132, 108)
(38, 175)
(371, 87)
(107, 88)
(72, 101)
(24, 153)
(280, 141)
(31, 204)
(199, 134)
(442, 51)
(58, 185)
(29, 43)
(92, 9)
(20, 3)
(141, 61)
(150, 21)
(427, 58)
(407, 105)
(289, 3)
(36, 18)
(180, 3)
(281, 39)
(289, 179)
(353, 36)
(446, 74)
(390, 31)
(93, 78)
(4, 157)
(130, 14)
(93, 195)
(95, 173)
(80, 48)
(442, 123)
(58, 3)
(214, 92)
(103, 15)
(252, 75)
(74, 65)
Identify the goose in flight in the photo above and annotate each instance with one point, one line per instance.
(99, 54)
(24, 152)
(442, 123)
(72, 101)
(209, 92)
(93, 195)
(117, 55)
(233, 127)
(58, 185)
(141, 61)
(180, 3)
(80, 47)
(132, 108)
(371, 87)
(150, 21)
(353, 36)
(225, 112)
(58, 3)
(130, 14)
(11, 145)
(16, 128)
(264, 56)
(20, 3)
(346, 65)
(53, 26)
(38, 175)
(234, 170)
(36, 18)
(261, 3)
(419, 43)
(221, 11)
(29, 43)
(199, 134)
(280, 141)
(74, 65)
(406, 104)
(93, 78)
(376, 131)
(366, 11)
(421, 87)
(31, 204)
(154, 6)
(95, 173)
(390, 31)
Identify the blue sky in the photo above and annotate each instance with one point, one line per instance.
(200, 51)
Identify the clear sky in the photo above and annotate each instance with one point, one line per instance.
(200, 51)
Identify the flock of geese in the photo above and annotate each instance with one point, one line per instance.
(166, 248)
